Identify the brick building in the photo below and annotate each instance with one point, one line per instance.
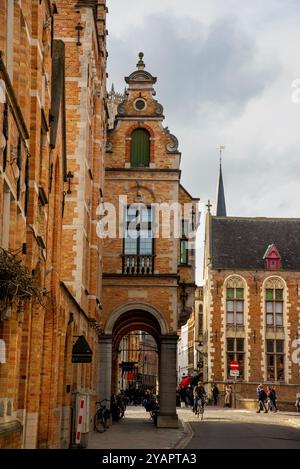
(53, 122)
(190, 343)
(252, 303)
(148, 281)
(138, 362)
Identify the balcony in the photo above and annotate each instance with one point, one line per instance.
(137, 264)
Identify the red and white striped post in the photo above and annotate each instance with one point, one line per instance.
(79, 422)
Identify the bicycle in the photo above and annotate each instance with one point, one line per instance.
(101, 416)
(118, 407)
(199, 410)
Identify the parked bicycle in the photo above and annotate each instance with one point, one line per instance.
(101, 417)
(118, 407)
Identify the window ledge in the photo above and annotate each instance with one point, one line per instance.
(235, 327)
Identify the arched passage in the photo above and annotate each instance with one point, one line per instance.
(133, 318)
(130, 322)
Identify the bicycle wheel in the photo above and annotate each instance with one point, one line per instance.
(99, 423)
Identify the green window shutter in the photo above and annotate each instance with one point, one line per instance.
(140, 148)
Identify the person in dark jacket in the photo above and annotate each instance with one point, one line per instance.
(262, 396)
(271, 393)
(195, 379)
(178, 397)
(215, 394)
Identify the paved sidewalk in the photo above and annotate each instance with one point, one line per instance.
(136, 431)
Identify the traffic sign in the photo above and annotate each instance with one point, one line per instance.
(234, 365)
(234, 373)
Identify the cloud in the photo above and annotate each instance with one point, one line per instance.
(225, 71)
(199, 65)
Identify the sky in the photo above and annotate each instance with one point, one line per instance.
(227, 75)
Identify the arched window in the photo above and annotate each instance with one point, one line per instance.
(274, 316)
(140, 148)
(274, 297)
(235, 301)
(235, 319)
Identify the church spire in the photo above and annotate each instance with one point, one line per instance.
(221, 204)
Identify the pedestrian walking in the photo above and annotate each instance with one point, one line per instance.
(228, 396)
(262, 396)
(215, 394)
(189, 396)
(178, 398)
(272, 399)
(182, 392)
(297, 403)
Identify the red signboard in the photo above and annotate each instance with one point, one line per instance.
(234, 365)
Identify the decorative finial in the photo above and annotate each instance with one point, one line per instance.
(140, 65)
(209, 206)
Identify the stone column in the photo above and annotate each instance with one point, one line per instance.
(167, 382)
(105, 365)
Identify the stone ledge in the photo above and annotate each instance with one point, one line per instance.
(10, 427)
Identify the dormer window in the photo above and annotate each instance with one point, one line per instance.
(272, 258)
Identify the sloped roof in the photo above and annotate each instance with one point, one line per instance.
(240, 243)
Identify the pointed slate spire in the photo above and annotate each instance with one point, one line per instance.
(221, 204)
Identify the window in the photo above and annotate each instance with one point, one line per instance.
(26, 203)
(138, 234)
(184, 244)
(200, 319)
(274, 307)
(6, 217)
(10, 6)
(275, 360)
(184, 251)
(236, 352)
(140, 104)
(235, 306)
(19, 165)
(5, 135)
(140, 148)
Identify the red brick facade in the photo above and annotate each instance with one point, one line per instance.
(159, 297)
(255, 331)
(48, 203)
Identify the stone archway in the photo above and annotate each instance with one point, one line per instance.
(145, 318)
(117, 313)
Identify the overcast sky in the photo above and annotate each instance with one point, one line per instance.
(225, 71)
